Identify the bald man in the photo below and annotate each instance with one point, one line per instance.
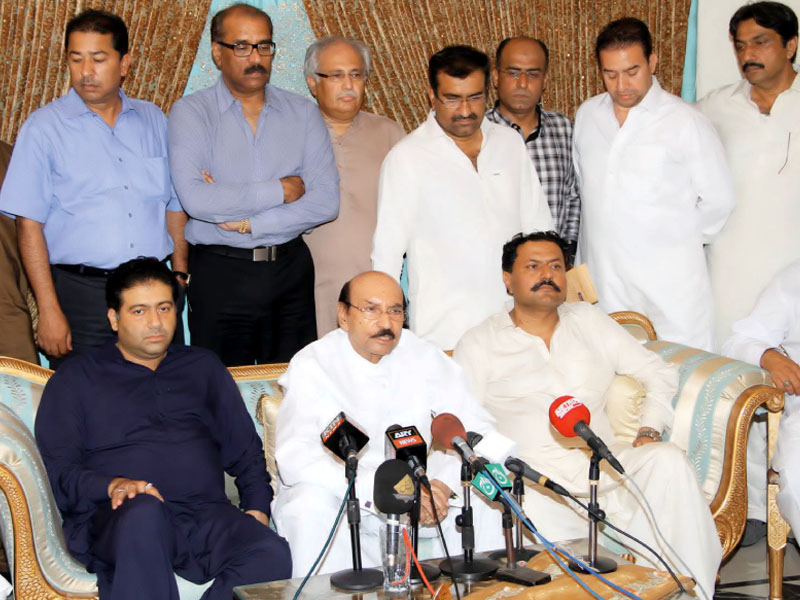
(380, 375)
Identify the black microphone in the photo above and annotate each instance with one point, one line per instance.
(393, 493)
(345, 439)
(406, 443)
(520, 467)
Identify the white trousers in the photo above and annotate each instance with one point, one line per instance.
(670, 485)
(304, 515)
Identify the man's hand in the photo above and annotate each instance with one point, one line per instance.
(641, 441)
(206, 176)
(122, 488)
(785, 372)
(441, 498)
(235, 226)
(259, 516)
(293, 188)
(53, 335)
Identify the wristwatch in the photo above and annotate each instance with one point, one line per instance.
(650, 433)
(182, 275)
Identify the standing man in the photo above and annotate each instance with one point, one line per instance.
(756, 118)
(136, 435)
(450, 194)
(337, 70)
(520, 76)
(89, 185)
(254, 168)
(655, 188)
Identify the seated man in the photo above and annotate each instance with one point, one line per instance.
(519, 361)
(770, 337)
(380, 375)
(136, 435)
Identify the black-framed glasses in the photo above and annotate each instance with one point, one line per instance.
(339, 76)
(244, 49)
(372, 312)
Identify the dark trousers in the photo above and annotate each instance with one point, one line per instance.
(137, 548)
(252, 312)
(83, 301)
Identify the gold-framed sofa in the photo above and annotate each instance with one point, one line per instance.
(714, 406)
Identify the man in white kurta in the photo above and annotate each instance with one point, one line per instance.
(408, 381)
(757, 117)
(519, 361)
(450, 194)
(770, 337)
(655, 187)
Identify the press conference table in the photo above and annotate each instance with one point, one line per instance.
(646, 583)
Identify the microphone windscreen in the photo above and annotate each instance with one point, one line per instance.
(445, 427)
(496, 447)
(393, 491)
(566, 412)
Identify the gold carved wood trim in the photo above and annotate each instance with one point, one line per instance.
(15, 366)
(254, 372)
(628, 317)
(29, 581)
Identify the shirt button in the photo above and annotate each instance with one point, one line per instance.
(125, 186)
(120, 159)
(131, 245)
(130, 215)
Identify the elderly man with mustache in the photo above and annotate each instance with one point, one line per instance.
(380, 375)
(450, 194)
(253, 166)
(337, 71)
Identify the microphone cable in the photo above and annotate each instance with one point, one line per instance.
(551, 548)
(635, 539)
(652, 517)
(444, 544)
(327, 542)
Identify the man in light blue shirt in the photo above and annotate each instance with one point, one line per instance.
(89, 185)
(254, 168)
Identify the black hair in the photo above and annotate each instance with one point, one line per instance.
(247, 9)
(510, 247)
(770, 15)
(622, 33)
(457, 61)
(134, 272)
(344, 294)
(503, 44)
(100, 21)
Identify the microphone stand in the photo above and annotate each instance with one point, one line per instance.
(601, 564)
(519, 550)
(431, 571)
(356, 578)
(467, 567)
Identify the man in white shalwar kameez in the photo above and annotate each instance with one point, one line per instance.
(380, 375)
(757, 119)
(654, 186)
(450, 194)
(770, 337)
(518, 362)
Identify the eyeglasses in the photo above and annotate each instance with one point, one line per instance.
(517, 73)
(373, 313)
(456, 101)
(243, 49)
(339, 76)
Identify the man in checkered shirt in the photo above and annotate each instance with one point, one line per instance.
(519, 77)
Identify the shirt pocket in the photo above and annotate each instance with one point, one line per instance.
(151, 177)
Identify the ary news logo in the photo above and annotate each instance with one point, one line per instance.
(409, 436)
(566, 406)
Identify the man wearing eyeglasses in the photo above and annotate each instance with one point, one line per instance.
(520, 77)
(380, 375)
(337, 70)
(254, 168)
(450, 194)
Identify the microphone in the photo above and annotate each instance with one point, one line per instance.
(520, 467)
(448, 431)
(406, 443)
(345, 439)
(570, 417)
(494, 446)
(393, 494)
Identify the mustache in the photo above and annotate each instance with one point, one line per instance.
(750, 64)
(545, 282)
(383, 332)
(469, 117)
(347, 94)
(87, 81)
(255, 69)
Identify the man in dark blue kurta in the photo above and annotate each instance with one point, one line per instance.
(136, 435)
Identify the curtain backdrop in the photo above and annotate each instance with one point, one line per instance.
(403, 34)
(163, 43)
